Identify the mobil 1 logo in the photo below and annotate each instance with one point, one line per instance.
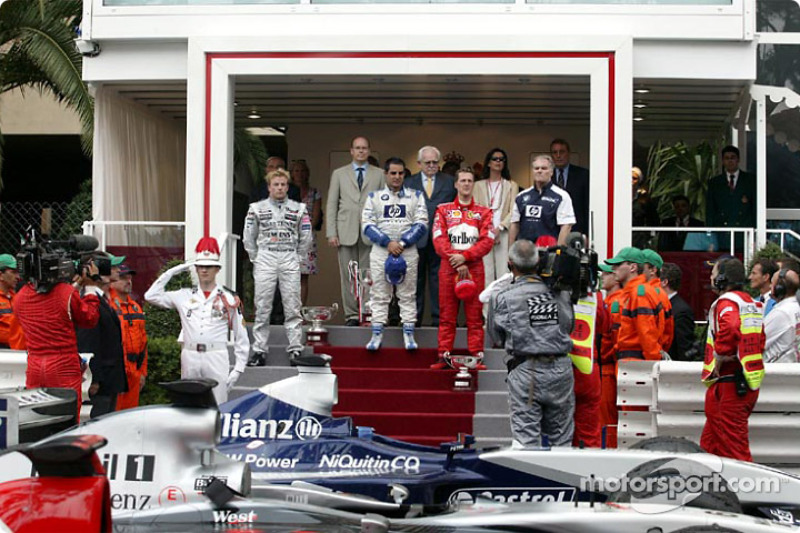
(129, 467)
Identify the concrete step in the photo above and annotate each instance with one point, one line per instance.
(427, 337)
(491, 403)
(494, 426)
(488, 442)
(492, 380)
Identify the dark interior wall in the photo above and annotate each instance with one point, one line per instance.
(43, 167)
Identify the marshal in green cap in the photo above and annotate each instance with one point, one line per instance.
(629, 255)
(605, 268)
(116, 260)
(651, 257)
(8, 261)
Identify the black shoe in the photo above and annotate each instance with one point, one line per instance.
(258, 359)
(352, 322)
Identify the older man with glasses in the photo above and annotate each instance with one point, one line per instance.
(437, 188)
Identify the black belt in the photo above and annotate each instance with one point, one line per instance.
(630, 354)
(517, 360)
(730, 378)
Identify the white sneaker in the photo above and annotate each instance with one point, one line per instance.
(408, 337)
(374, 343)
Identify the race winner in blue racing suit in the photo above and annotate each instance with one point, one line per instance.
(394, 219)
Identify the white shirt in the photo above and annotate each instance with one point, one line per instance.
(203, 320)
(781, 329)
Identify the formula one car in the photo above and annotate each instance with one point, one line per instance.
(281, 442)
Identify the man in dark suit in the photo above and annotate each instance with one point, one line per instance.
(681, 312)
(573, 179)
(673, 241)
(437, 188)
(731, 196)
(104, 341)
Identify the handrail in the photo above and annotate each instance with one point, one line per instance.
(783, 232)
(89, 225)
(749, 235)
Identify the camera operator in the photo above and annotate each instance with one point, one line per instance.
(48, 314)
(733, 367)
(105, 342)
(534, 322)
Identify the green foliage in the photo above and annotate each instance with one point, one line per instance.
(249, 151)
(37, 50)
(681, 169)
(78, 210)
(163, 364)
(163, 350)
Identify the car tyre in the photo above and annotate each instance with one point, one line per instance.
(720, 500)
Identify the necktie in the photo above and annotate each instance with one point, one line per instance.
(360, 178)
(429, 186)
(560, 181)
(731, 177)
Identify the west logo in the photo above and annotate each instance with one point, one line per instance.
(230, 517)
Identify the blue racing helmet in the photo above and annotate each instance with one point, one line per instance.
(395, 269)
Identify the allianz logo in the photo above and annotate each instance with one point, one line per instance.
(306, 428)
(345, 461)
(513, 495)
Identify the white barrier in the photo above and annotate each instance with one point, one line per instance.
(671, 398)
(13, 364)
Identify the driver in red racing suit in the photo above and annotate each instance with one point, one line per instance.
(462, 235)
(48, 315)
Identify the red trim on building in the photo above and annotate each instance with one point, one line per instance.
(611, 144)
(210, 57)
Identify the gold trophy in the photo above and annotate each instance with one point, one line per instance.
(317, 314)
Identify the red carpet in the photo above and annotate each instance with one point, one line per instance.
(395, 392)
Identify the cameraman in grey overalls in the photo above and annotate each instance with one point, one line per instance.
(533, 323)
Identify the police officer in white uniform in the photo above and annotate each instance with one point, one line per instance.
(211, 319)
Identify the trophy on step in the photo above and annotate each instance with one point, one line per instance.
(463, 363)
(361, 287)
(317, 314)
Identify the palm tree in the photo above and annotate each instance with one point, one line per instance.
(37, 51)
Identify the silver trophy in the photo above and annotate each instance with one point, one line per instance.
(463, 363)
(361, 286)
(317, 314)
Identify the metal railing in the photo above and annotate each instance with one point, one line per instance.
(100, 229)
(748, 235)
(782, 234)
(90, 227)
(672, 398)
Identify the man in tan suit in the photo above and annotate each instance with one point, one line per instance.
(349, 188)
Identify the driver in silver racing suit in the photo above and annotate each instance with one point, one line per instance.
(277, 232)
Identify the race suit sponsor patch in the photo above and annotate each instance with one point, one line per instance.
(542, 310)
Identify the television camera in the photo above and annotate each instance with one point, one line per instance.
(45, 262)
(571, 267)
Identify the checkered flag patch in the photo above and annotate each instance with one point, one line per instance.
(542, 310)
